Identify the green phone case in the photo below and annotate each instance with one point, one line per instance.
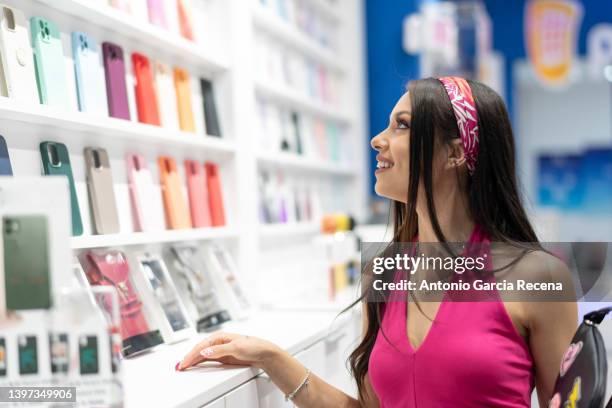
(62, 167)
(49, 62)
(26, 262)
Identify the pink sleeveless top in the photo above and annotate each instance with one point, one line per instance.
(472, 356)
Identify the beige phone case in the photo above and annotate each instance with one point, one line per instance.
(101, 192)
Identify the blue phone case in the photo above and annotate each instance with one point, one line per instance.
(89, 74)
(49, 63)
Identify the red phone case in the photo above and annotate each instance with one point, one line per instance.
(215, 195)
(198, 194)
(146, 98)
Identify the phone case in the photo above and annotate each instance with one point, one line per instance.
(56, 161)
(5, 162)
(215, 194)
(223, 267)
(88, 74)
(26, 262)
(159, 290)
(177, 214)
(146, 100)
(3, 357)
(49, 63)
(157, 13)
(59, 353)
(195, 278)
(110, 268)
(116, 90)
(198, 194)
(211, 119)
(18, 78)
(88, 355)
(166, 95)
(185, 12)
(147, 209)
(101, 191)
(28, 354)
(183, 98)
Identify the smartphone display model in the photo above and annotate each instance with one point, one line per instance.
(49, 63)
(116, 89)
(27, 351)
(59, 353)
(26, 262)
(101, 191)
(182, 85)
(147, 208)
(17, 72)
(56, 161)
(177, 213)
(215, 194)
(88, 355)
(211, 119)
(146, 99)
(198, 194)
(5, 162)
(88, 74)
(3, 358)
(166, 95)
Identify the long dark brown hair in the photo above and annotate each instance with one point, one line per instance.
(493, 193)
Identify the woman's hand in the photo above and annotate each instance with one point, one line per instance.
(229, 348)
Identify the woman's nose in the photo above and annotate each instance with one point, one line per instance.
(379, 142)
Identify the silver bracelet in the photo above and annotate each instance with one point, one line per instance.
(305, 381)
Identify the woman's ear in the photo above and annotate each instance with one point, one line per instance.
(456, 154)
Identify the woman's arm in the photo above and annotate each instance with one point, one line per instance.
(282, 368)
(552, 327)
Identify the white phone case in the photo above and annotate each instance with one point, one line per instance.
(90, 76)
(150, 201)
(17, 60)
(166, 95)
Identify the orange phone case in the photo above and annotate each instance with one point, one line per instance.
(177, 213)
(146, 98)
(185, 22)
(183, 100)
(215, 195)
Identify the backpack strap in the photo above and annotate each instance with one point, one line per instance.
(597, 316)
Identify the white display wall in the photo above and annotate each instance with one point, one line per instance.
(228, 35)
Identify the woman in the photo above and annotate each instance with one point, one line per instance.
(447, 162)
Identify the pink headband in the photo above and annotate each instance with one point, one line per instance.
(460, 95)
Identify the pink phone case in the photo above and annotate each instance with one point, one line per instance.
(134, 163)
(198, 194)
(157, 14)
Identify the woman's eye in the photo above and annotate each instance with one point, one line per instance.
(402, 125)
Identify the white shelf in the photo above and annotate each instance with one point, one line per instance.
(296, 100)
(183, 51)
(290, 35)
(289, 229)
(293, 161)
(141, 238)
(106, 128)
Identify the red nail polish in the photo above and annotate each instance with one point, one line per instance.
(177, 367)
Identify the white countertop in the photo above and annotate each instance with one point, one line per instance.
(150, 380)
